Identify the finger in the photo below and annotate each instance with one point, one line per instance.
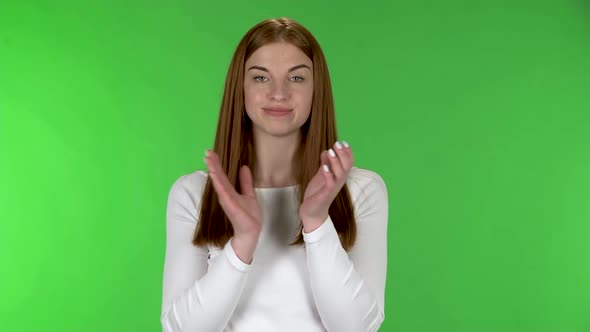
(214, 178)
(222, 177)
(220, 181)
(246, 182)
(347, 150)
(336, 165)
(328, 175)
(345, 155)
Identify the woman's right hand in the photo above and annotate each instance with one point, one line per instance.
(242, 209)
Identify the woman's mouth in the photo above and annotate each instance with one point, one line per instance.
(277, 111)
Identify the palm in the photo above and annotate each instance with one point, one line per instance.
(242, 209)
(313, 193)
(325, 185)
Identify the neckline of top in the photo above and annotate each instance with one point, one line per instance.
(263, 188)
(275, 188)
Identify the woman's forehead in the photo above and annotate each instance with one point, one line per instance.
(278, 55)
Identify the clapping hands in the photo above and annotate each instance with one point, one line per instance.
(325, 185)
(242, 209)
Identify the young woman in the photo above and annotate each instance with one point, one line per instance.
(282, 232)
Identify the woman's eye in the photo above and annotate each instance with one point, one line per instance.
(294, 78)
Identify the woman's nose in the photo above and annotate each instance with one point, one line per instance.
(278, 90)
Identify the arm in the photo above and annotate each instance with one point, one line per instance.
(349, 288)
(193, 297)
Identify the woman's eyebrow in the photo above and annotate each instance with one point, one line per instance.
(290, 69)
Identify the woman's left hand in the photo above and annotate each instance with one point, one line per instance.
(325, 186)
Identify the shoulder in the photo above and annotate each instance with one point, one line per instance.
(191, 183)
(185, 194)
(367, 189)
(360, 179)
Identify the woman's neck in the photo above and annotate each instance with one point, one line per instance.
(274, 160)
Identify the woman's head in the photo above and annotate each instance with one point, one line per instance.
(278, 45)
(278, 76)
(259, 78)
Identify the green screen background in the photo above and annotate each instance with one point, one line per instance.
(476, 114)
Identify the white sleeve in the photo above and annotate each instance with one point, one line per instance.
(194, 298)
(349, 289)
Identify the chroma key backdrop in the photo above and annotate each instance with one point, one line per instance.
(475, 113)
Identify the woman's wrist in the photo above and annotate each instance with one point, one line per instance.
(310, 224)
(244, 246)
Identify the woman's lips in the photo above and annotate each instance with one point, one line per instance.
(277, 108)
(277, 111)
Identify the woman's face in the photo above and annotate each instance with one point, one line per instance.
(278, 76)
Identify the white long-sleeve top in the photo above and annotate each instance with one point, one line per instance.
(316, 287)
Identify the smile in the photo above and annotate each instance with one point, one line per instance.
(277, 111)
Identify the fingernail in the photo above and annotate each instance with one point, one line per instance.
(206, 152)
(332, 153)
(338, 145)
(326, 169)
(345, 144)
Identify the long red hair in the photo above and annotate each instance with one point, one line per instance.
(234, 137)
